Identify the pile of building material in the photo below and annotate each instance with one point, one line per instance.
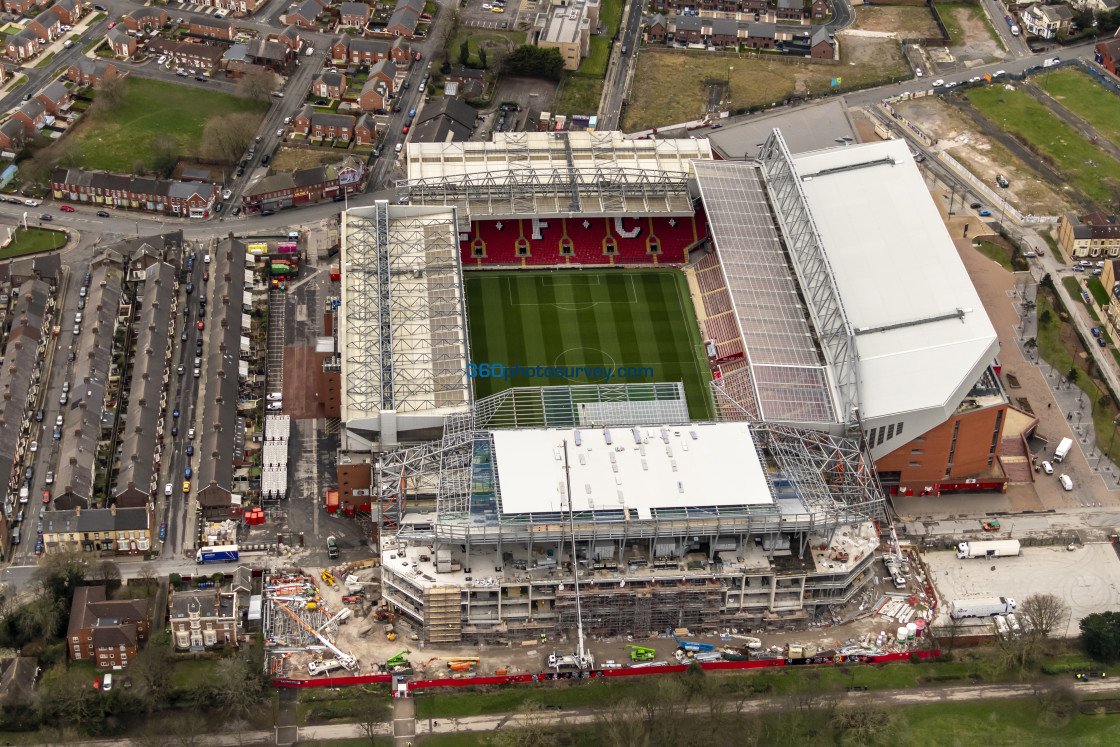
(297, 620)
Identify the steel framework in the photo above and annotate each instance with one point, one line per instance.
(402, 321)
(815, 274)
(556, 192)
(818, 481)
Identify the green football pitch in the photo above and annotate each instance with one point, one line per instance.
(621, 319)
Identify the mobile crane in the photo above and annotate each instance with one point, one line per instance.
(641, 653)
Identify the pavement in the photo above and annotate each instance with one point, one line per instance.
(588, 717)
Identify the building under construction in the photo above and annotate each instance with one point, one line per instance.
(300, 629)
(606, 503)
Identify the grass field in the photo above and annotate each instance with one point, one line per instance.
(1084, 97)
(114, 139)
(995, 253)
(611, 15)
(596, 62)
(579, 94)
(671, 87)
(32, 241)
(1085, 165)
(616, 318)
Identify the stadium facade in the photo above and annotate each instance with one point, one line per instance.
(832, 379)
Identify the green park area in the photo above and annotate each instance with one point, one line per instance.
(115, 137)
(31, 241)
(1086, 98)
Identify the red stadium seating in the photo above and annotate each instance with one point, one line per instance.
(582, 241)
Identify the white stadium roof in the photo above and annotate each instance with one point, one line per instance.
(922, 335)
(675, 466)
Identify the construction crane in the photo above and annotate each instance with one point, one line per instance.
(582, 659)
(345, 613)
(641, 653)
(693, 646)
(346, 660)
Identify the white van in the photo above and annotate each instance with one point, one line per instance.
(107, 683)
(1067, 483)
(274, 397)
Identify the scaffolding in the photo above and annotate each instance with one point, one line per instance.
(442, 610)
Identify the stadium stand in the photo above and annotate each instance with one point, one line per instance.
(718, 321)
(583, 241)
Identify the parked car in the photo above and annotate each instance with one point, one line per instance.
(102, 213)
(237, 210)
(162, 531)
(984, 213)
(190, 288)
(46, 217)
(66, 208)
(226, 194)
(186, 487)
(167, 489)
(265, 159)
(50, 478)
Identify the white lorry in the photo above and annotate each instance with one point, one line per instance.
(982, 607)
(322, 667)
(1063, 449)
(988, 549)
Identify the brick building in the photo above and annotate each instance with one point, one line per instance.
(103, 631)
(183, 199)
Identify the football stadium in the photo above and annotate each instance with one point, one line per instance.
(612, 382)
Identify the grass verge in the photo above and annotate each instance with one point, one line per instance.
(32, 241)
(996, 253)
(579, 94)
(493, 40)
(596, 63)
(611, 15)
(1100, 295)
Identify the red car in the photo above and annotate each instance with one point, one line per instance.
(404, 130)
(46, 496)
(201, 325)
(66, 209)
(112, 24)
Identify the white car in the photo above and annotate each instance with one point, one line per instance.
(287, 120)
(975, 79)
(998, 73)
(486, 6)
(162, 59)
(280, 133)
(31, 203)
(1048, 468)
(918, 71)
(167, 489)
(34, 446)
(226, 194)
(939, 82)
(275, 405)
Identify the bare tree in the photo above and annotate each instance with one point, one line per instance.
(165, 154)
(109, 94)
(153, 668)
(236, 686)
(1043, 613)
(258, 84)
(531, 728)
(109, 574)
(148, 579)
(372, 714)
(227, 137)
(619, 725)
(863, 721)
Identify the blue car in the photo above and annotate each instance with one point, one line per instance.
(188, 473)
(175, 413)
(985, 213)
(190, 449)
(162, 531)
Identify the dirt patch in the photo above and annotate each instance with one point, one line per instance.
(974, 35)
(984, 157)
(673, 87)
(906, 21)
(289, 159)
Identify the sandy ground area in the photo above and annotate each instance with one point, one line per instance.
(979, 47)
(982, 156)
(906, 20)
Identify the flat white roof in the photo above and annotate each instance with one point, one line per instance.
(713, 464)
(922, 333)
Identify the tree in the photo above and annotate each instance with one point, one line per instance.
(1100, 635)
(464, 53)
(535, 62)
(236, 686)
(152, 668)
(482, 56)
(227, 137)
(60, 573)
(147, 578)
(165, 154)
(1073, 374)
(66, 696)
(109, 94)
(108, 574)
(372, 713)
(1043, 613)
(258, 84)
